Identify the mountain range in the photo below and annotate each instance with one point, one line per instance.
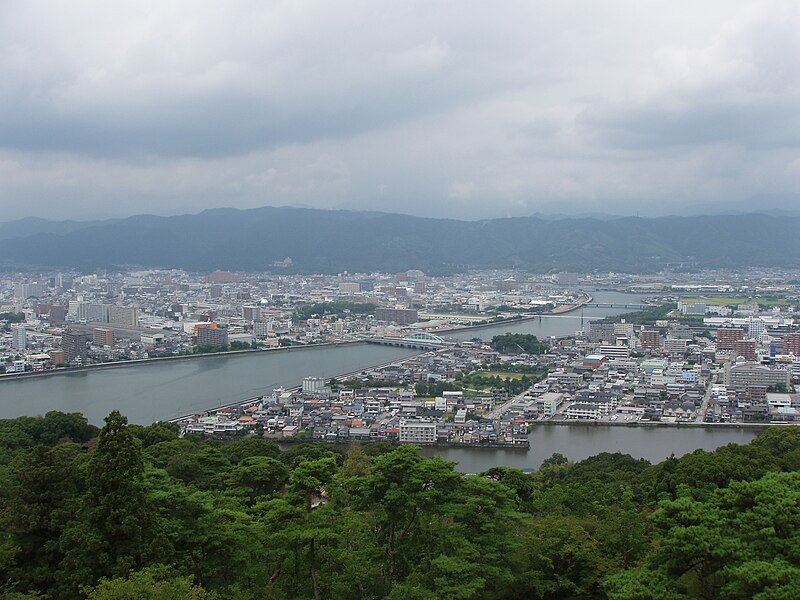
(332, 241)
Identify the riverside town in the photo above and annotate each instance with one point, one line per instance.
(717, 348)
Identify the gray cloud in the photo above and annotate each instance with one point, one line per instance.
(437, 108)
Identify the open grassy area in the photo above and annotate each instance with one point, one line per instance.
(736, 301)
(503, 374)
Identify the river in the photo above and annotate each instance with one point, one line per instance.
(164, 390)
(555, 325)
(577, 442)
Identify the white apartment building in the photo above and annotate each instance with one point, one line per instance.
(413, 431)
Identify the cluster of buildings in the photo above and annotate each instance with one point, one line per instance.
(706, 363)
(338, 412)
(73, 320)
(616, 373)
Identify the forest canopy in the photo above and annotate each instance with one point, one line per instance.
(138, 512)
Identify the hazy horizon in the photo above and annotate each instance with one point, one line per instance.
(434, 109)
(540, 215)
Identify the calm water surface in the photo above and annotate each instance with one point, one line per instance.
(165, 390)
(579, 442)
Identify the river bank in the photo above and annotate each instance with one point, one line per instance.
(251, 401)
(559, 310)
(161, 359)
(656, 424)
(163, 390)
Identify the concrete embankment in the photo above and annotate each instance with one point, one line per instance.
(654, 424)
(162, 359)
(568, 308)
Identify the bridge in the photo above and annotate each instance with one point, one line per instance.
(612, 305)
(420, 340)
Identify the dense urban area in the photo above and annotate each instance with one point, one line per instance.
(689, 352)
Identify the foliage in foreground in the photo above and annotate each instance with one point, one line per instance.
(136, 512)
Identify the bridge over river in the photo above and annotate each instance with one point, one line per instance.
(616, 305)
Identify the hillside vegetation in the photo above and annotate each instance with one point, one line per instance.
(329, 241)
(131, 512)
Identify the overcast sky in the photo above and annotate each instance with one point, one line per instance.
(451, 108)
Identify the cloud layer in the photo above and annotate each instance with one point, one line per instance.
(466, 109)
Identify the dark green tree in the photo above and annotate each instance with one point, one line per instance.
(112, 536)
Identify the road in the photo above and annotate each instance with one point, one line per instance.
(499, 411)
(704, 405)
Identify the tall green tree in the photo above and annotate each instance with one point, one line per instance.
(113, 535)
(44, 492)
(403, 485)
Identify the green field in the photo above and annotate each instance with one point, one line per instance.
(732, 301)
(503, 374)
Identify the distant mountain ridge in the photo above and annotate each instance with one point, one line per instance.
(331, 241)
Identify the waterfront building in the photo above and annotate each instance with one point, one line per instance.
(212, 336)
(19, 338)
(313, 385)
(548, 403)
(749, 375)
(413, 431)
(602, 331)
(583, 411)
(102, 336)
(74, 345)
(401, 316)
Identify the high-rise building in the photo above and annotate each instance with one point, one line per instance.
(757, 329)
(57, 314)
(23, 291)
(349, 287)
(251, 313)
(212, 336)
(791, 344)
(74, 345)
(745, 349)
(19, 338)
(123, 315)
(92, 313)
(63, 281)
(102, 336)
(650, 340)
(312, 385)
(401, 316)
(746, 375)
(602, 331)
(728, 336)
